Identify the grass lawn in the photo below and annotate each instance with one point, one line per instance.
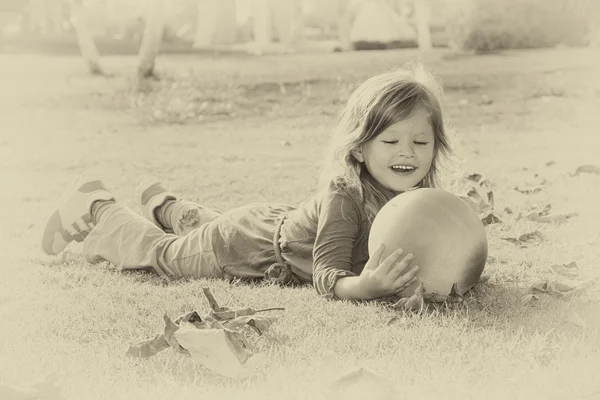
(228, 130)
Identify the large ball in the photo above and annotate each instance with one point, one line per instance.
(442, 231)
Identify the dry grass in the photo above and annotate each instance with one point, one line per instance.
(61, 314)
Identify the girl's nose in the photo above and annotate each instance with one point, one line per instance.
(406, 151)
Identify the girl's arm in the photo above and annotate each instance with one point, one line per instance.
(338, 228)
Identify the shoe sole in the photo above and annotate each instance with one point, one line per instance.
(55, 237)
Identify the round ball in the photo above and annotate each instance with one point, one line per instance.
(442, 231)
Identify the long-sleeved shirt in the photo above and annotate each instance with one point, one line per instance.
(326, 238)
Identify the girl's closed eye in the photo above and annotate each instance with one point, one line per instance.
(422, 143)
(390, 141)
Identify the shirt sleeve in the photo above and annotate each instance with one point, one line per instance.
(337, 230)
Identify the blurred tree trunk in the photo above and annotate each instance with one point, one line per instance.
(87, 46)
(216, 23)
(285, 20)
(263, 25)
(205, 23)
(153, 33)
(422, 13)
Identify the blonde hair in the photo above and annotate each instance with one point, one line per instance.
(375, 105)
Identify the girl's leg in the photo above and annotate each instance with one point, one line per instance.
(130, 241)
(161, 207)
(87, 212)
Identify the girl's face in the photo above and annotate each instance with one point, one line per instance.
(400, 157)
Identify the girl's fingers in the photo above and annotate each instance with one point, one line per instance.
(388, 264)
(400, 267)
(405, 285)
(375, 259)
(407, 278)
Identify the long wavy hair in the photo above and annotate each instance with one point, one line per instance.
(375, 105)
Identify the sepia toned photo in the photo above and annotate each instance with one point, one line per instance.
(300, 199)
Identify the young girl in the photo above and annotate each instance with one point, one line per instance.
(389, 139)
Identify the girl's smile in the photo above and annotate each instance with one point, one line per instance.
(400, 157)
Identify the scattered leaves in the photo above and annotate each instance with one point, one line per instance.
(587, 169)
(560, 289)
(526, 239)
(215, 341)
(570, 270)
(477, 191)
(546, 219)
(148, 348)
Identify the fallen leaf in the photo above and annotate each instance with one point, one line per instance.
(490, 219)
(561, 289)
(148, 348)
(571, 270)
(530, 238)
(546, 219)
(191, 318)
(484, 278)
(259, 323)
(222, 351)
(477, 192)
(529, 298)
(212, 302)
(529, 190)
(412, 303)
(587, 169)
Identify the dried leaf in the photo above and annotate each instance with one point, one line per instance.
(530, 238)
(412, 303)
(529, 298)
(260, 323)
(170, 329)
(149, 347)
(232, 314)
(546, 219)
(587, 169)
(484, 278)
(491, 219)
(212, 302)
(477, 192)
(528, 190)
(191, 318)
(571, 270)
(220, 350)
(561, 289)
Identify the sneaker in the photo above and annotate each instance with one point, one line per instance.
(72, 220)
(151, 194)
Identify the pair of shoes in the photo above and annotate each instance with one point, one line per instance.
(72, 219)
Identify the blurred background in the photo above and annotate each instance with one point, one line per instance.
(260, 26)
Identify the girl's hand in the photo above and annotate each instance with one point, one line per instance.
(387, 277)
